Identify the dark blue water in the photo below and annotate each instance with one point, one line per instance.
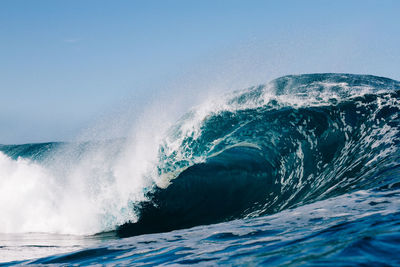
(304, 170)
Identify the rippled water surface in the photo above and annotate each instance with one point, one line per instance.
(362, 227)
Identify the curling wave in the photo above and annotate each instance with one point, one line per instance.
(296, 140)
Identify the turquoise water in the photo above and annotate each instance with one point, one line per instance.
(304, 170)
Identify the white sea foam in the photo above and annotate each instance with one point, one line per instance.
(79, 190)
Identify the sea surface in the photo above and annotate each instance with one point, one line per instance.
(303, 170)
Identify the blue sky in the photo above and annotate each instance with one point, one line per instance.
(64, 63)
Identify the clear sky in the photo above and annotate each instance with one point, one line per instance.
(62, 63)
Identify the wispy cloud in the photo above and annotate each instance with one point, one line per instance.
(72, 40)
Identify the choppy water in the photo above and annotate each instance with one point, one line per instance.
(302, 170)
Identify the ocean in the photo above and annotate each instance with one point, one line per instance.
(303, 170)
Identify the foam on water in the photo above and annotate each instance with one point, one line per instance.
(77, 188)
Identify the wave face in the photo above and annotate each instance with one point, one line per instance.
(294, 141)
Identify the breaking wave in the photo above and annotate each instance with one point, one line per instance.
(296, 140)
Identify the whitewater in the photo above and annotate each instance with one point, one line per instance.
(304, 169)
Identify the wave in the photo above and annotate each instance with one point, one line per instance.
(296, 140)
